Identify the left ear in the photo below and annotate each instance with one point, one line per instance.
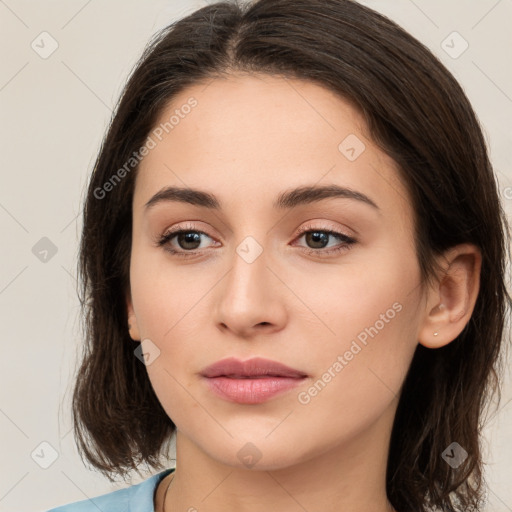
(451, 302)
(133, 327)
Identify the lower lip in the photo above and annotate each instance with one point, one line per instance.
(251, 391)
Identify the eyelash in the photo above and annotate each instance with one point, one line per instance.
(164, 240)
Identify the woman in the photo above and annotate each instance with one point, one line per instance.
(294, 217)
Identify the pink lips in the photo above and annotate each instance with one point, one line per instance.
(250, 382)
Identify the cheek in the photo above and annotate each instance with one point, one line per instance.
(165, 297)
(370, 320)
(362, 299)
(168, 306)
(357, 379)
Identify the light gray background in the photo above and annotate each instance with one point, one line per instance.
(54, 113)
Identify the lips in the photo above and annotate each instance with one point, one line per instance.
(256, 367)
(251, 382)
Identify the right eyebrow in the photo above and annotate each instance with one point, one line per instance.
(184, 195)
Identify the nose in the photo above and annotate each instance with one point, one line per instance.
(251, 298)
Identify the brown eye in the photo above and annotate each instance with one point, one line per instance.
(317, 241)
(183, 242)
(188, 239)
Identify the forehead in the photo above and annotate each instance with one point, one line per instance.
(256, 135)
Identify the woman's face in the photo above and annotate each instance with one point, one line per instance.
(259, 274)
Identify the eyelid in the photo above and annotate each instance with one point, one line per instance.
(312, 227)
(188, 226)
(170, 233)
(346, 240)
(301, 230)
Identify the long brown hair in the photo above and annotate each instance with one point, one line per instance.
(419, 115)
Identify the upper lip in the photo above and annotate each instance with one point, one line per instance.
(257, 366)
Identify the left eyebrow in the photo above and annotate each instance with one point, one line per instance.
(311, 194)
(285, 200)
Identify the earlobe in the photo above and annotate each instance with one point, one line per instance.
(133, 328)
(451, 303)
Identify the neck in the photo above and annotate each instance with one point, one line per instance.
(347, 477)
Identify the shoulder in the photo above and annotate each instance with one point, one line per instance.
(136, 498)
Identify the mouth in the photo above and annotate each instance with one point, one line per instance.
(251, 382)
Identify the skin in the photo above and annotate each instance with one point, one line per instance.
(250, 138)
